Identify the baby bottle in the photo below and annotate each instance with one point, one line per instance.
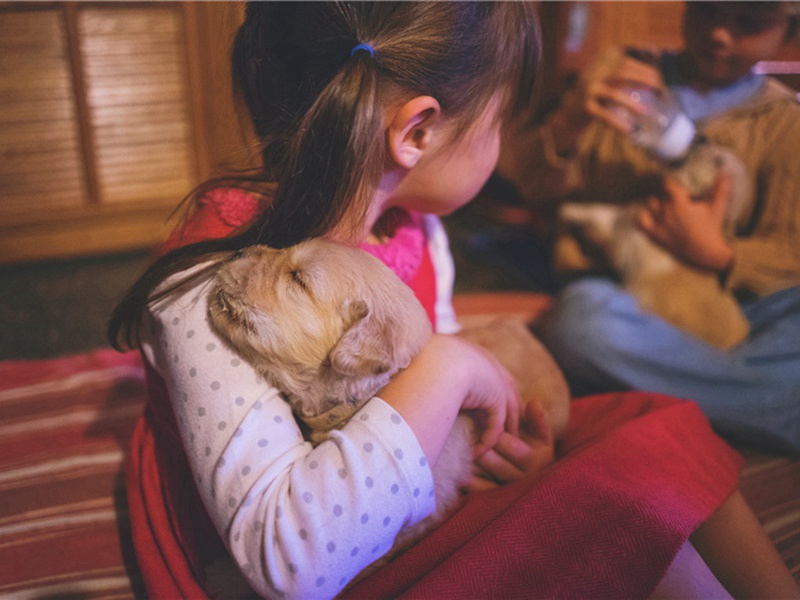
(662, 128)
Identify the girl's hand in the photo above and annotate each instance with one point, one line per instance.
(451, 374)
(494, 395)
(692, 230)
(600, 89)
(513, 457)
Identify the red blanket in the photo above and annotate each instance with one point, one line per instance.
(636, 474)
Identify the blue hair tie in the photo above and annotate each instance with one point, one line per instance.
(364, 47)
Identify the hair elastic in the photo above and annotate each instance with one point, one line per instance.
(364, 47)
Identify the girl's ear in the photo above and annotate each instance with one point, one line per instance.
(410, 131)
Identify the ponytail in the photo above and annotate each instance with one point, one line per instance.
(317, 109)
(335, 160)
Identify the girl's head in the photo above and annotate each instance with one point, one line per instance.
(724, 40)
(340, 128)
(323, 113)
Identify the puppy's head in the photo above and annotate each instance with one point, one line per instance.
(609, 234)
(317, 311)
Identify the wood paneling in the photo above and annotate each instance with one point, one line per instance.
(110, 113)
(41, 162)
(136, 90)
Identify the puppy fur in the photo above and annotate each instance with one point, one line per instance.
(329, 326)
(687, 297)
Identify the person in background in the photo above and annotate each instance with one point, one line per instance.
(597, 333)
(374, 119)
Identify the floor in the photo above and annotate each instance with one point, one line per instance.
(61, 307)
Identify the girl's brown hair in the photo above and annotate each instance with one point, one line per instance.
(318, 110)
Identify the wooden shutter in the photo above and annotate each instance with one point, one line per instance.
(134, 72)
(102, 122)
(41, 160)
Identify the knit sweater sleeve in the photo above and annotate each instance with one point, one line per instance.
(766, 251)
(530, 162)
(300, 521)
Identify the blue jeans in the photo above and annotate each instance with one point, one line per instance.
(604, 342)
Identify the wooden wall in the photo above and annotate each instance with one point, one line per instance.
(574, 31)
(110, 112)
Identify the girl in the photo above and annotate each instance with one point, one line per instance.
(372, 118)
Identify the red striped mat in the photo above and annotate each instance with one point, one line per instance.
(64, 427)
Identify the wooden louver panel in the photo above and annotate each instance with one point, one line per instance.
(136, 89)
(41, 164)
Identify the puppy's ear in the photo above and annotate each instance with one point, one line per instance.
(365, 347)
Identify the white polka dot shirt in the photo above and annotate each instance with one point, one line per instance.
(299, 521)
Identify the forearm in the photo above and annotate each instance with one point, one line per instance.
(428, 401)
(313, 519)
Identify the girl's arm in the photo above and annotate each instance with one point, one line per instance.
(299, 520)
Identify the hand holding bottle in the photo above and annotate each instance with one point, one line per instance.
(602, 92)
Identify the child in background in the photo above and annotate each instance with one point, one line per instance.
(597, 333)
(374, 119)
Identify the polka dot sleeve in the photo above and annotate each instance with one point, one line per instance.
(299, 521)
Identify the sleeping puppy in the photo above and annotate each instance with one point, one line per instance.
(329, 326)
(688, 297)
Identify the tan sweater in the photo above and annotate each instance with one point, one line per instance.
(765, 132)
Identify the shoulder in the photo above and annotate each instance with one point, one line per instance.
(773, 98)
(234, 206)
(215, 213)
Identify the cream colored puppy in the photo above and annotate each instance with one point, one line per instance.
(329, 326)
(686, 296)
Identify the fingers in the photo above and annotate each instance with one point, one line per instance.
(479, 483)
(492, 431)
(503, 461)
(537, 423)
(675, 191)
(650, 216)
(606, 87)
(512, 414)
(512, 400)
(617, 68)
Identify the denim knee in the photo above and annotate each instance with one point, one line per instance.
(582, 327)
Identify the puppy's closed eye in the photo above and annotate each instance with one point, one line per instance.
(298, 277)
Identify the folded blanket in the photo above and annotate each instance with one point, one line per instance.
(636, 474)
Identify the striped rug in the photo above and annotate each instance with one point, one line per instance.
(64, 425)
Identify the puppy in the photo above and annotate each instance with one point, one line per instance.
(329, 326)
(687, 297)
